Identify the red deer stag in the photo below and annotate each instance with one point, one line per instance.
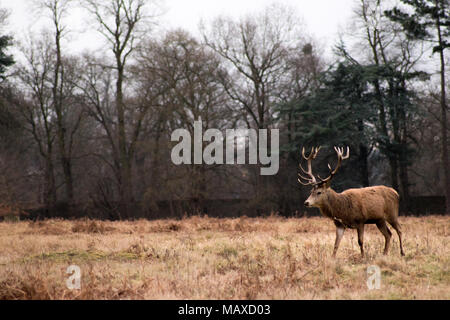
(352, 208)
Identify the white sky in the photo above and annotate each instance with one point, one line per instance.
(323, 18)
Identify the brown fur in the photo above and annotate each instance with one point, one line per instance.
(354, 208)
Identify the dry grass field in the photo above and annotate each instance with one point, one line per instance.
(208, 258)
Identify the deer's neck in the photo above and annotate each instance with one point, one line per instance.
(338, 205)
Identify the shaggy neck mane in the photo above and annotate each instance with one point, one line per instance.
(338, 205)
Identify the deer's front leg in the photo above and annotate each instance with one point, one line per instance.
(339, 234)
(360, 229)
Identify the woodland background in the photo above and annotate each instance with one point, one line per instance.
(89, 134)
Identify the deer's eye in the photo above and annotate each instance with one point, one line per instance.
(319, 193)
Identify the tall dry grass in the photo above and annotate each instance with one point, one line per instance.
(208, 258)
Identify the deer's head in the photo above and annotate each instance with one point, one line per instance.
(321, 187)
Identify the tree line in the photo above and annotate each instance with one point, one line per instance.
(90, 133)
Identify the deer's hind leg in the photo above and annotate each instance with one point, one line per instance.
(396, 226)
(381, 224)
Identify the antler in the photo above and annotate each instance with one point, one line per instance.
(341, 156)
(312, 156)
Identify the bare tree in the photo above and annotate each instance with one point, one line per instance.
(122, 23)
(256, 49)
(264, 55)
(36, 109)
(50, 108)
(183, 76)
(63, 87)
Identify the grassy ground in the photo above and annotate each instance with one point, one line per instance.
(206, 258)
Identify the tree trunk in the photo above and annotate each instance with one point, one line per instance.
(384, 132)
(444, 124)
(363, 156)
(394, 172)
(50, 186)
(364, 168)
(126, 193)
(444, 155)
(68, 179)
(65, 159)
(403, 156)
(404, 180)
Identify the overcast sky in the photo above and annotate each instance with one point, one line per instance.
(324, 18)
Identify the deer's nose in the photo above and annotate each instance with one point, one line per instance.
(307, 203)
